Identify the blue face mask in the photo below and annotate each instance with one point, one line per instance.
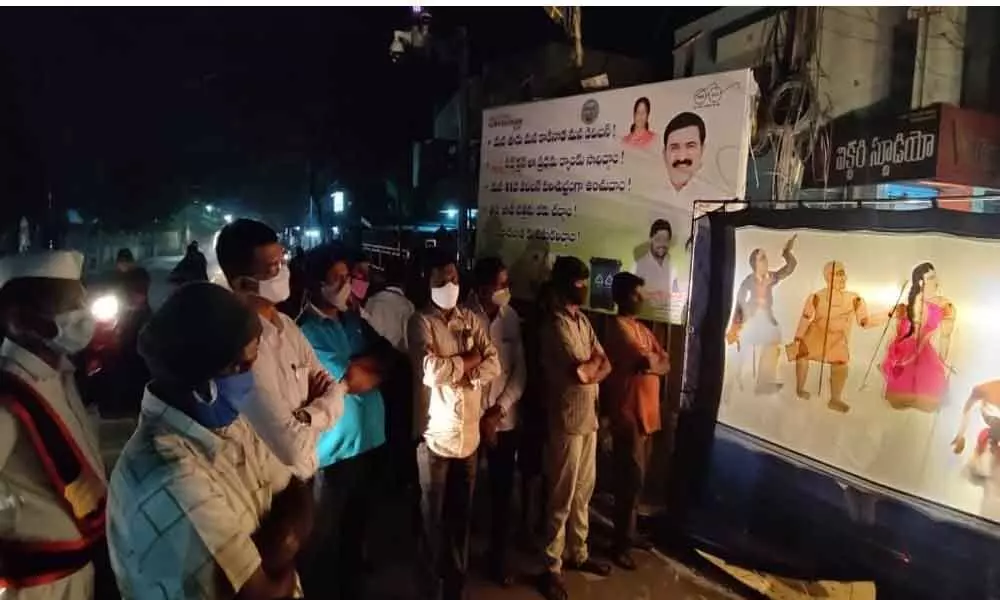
(228, 394)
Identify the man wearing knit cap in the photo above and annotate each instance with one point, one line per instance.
(52, 483)
(575, 365)
(198, 506)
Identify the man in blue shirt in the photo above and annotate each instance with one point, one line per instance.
(349, 454)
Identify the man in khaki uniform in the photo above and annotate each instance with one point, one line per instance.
(52, 482)
(575, 365)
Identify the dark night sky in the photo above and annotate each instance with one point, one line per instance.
(153, 106)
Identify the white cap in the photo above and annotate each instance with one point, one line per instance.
(53, 264)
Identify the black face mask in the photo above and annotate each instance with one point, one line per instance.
(577, 295)
(629, 307)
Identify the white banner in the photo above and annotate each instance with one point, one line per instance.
(612, 178)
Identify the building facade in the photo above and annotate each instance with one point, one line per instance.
(864, 66)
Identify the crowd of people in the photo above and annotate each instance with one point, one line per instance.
(252, 471)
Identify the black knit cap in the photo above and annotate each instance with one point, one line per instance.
(568, 270)
(319, 260)
(200, 330)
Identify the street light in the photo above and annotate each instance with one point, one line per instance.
(209, 208)
(338, 201)
(227, 218)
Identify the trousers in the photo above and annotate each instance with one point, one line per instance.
(572, 472)
(502, 464)
(630, 451)
(447, 485)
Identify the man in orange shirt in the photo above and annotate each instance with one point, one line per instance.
(632, 402)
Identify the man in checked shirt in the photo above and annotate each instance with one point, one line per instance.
(575, 364)
(454, 358)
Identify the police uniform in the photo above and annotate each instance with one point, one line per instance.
(52, 480)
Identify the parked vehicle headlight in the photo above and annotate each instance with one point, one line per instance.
(105, 308)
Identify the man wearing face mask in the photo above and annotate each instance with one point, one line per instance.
(199, 507)
(350, 453)
(52, 483)
(575, 365)
(361, 271)
(490, 301)
(454, 359)
(631, 398)
(295, 399)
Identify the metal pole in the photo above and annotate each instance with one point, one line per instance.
(464, 170)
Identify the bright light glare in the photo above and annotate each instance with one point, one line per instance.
(451, 213)
(338, 201)
(105, 308)
(336, 230)
(227, 218)
(417, 10)
(312, 233)
(209, 208)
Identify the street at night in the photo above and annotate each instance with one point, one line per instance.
(407, 302)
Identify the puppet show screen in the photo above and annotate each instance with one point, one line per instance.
(876, 353)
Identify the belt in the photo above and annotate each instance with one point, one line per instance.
(25, 564)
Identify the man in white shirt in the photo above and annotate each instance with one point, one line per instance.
(654, 267)
(387, 309)
(490, 301)
(454, 360)
(295, 399)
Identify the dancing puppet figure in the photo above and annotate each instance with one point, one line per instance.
(916, 361)
(987, 448)
(824, 333)
(753, 319)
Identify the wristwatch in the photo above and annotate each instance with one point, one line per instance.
(302, 416)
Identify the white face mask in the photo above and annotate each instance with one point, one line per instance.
(276, 289)
(501, 298)
(446, 296)
(337, 296)
(75, 330)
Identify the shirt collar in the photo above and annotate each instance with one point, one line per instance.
(270, 330)
(564, 313)
(435, 311)
(474, 305)
(653, 260)
(37, 368)
(158, 411)
(316, 312)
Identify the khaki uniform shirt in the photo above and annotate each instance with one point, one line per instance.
(566, 341)
(30, 510)
(183, 504)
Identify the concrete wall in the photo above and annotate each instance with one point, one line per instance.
(940, 55)
(854, 58)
